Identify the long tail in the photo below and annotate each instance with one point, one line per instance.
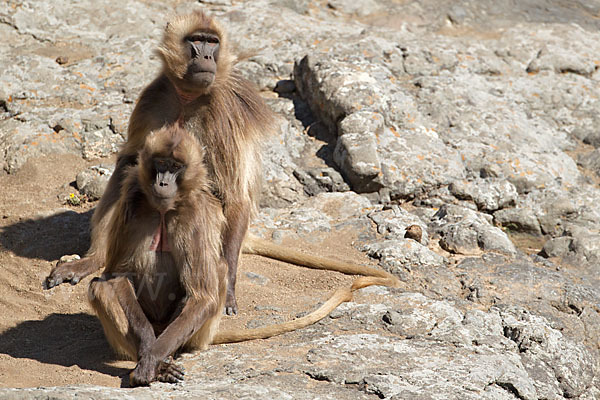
(254, 245)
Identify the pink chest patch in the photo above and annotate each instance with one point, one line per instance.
(160, 241)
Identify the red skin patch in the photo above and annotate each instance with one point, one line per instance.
(160, 241)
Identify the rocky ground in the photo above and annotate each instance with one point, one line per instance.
(476, 120)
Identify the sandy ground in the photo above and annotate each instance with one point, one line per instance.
(52, 338)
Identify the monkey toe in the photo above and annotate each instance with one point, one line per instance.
(49, 283)
(55, 279)
(231, 307)
(170, 372)
(69, 271)
(231, 310)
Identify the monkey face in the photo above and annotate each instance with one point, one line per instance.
(164, 188)
(203, 50)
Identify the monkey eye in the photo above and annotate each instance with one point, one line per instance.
(161, 164)
(211, 40)
(175, 167)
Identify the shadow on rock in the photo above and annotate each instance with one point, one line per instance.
(49, 237)
(63, 339)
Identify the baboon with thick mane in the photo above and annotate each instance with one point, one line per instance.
(199, 87)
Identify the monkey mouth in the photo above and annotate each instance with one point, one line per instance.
(163, 197)
(200, 75)
(203, 78)
(200, 67)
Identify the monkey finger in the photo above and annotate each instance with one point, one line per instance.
(178, 372)
(51, 282)
(170, 378)
(230, 311)
(170, 371)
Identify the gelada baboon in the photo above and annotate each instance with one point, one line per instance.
(198, 86)
(164, 283)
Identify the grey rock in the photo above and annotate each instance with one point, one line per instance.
(356, 154)
(216, 2)
(319, 180)
(360, 7)
(555, 58)
(489, 195)
(393, 222)
(280, 188)
(587, 247)
(590, 160)
(23, 140)
(300, 6)
(465, 231)
(544, 348)
(479, 338)
(317, 216)
(100, 143)
(92, 182)
(356, 150)
(407, 150)
(554, 211)
(402, 255)
(457, 14)
(257, 278)
(518, 220)
(590, 136)
(557, 247)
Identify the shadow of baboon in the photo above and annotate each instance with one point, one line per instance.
(63, 339)
(49, 237)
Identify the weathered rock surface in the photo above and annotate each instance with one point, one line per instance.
(93, 181)
(471, 120)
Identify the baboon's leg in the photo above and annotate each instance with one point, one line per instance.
(155, 364)
(237, 217)
(126, 327)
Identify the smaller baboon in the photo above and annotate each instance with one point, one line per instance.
(165, 279)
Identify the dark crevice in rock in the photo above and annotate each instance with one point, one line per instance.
(5, 21)
(318, 376)
(509, 387)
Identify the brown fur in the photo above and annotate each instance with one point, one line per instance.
(152, 303)
(147, 325)
(230, 120)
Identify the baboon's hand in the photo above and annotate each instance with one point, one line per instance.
(144, 373)
(170, 372)
(72, 271)
(149, 370)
